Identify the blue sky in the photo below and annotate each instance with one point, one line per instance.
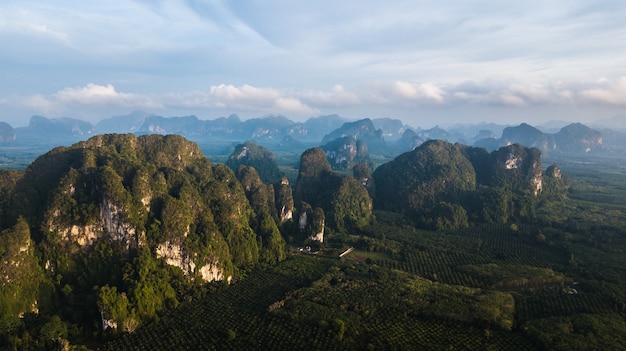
(425, 62)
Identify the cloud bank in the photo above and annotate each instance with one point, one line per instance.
(251, 101)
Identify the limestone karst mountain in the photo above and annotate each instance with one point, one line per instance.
(259, 157)
(442, 185)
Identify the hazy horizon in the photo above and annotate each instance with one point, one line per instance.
(421, 62)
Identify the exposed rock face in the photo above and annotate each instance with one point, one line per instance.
(360, 130)
(284, 200)
(285, 213)
(312, 222)
(518, 167)
(343, 154)
(259, 157)
(392, 128)
(319, 234)
(346, 152)
(110, 224)
(117, 229)
(177, 255)
(122, 124)
(213, 272)
(187, 125)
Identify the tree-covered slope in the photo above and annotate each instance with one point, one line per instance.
(441, 185)
(344, 201)
(259, 157)
(127, 226)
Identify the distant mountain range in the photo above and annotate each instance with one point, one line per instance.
(575, 137)
(381, 135)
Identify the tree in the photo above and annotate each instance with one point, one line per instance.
(54, 332)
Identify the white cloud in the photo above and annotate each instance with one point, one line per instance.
(229, 98)
(292, 105)
(532, 93)
(401, 92)
(609, 92)
(94, 95)
(267, 100)
(339, 97)
(86, 101)
(508, 98)
(244, 94)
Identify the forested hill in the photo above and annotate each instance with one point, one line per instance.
(444, 186)
(124, 227)
(119, 228)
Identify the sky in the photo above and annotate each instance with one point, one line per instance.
(424, 62)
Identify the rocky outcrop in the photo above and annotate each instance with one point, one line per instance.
(409, 140)
(444, 181)
(312, 222)
(528, 136)
(346, 152)
(319, 234)
(259, 157)
(284, 200)
(519, 168)
(362, 173)
(7, 134)
(578, 138)
(435, 171)
(392, 128)
(116, 228)
(343, 199)
(360, 130)
(109, 224)
(175, 254)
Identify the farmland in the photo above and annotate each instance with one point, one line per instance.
(555, 283)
